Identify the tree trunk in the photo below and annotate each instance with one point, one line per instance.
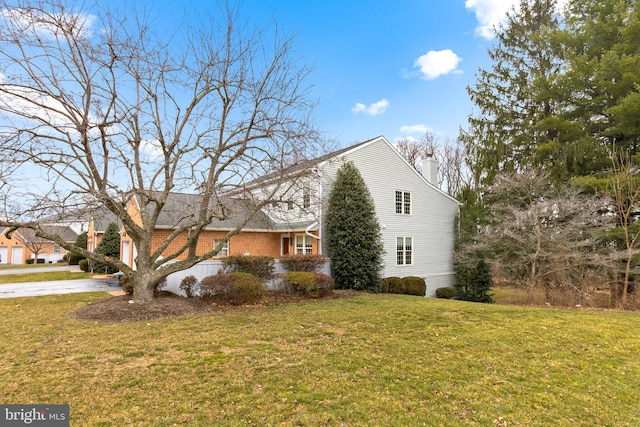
(143, 288)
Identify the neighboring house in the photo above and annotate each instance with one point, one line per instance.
(417, 219)
(12, 250)
(50, 251)
(23, 244)
(99, 220)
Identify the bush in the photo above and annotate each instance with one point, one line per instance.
(216, 285)
(84, 265)
(189, 285)
(74, 258)
(473, 283)
(325, 284)
(40, 261)
(414, 286)
(393, 285)
(260, 266)
(446, 293)
(127, 284)
(246, 289)
(310, 263)
(301, 281)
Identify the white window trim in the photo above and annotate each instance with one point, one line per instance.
(305, 250)
(403, 195)
(224, 250)
(404, 251)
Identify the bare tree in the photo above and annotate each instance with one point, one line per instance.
(107, 109)
(543, 236)
(624, 189)
(453, 174)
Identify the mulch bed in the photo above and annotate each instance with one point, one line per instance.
(118, 309)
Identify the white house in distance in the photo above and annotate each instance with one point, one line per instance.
(417, 218)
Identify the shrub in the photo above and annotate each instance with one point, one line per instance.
(29, 261)
(473, 283)
(446, 293)
(414, 286)
(308, 263)
(216, 285)
(109, 246)
(84, 265)
(301, 281)
(74, 258)
(246, 289)
(393, 285)
(260, 266)
(127, 284)
(325, 284)
(40, 261)
(189, 285)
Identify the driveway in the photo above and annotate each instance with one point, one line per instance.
(30, 289)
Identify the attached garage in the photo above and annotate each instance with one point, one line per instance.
(4, 255)
(16, 255)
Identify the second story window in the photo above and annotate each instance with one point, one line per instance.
(403, 202)
(306, 195)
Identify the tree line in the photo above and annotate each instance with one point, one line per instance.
(551, 151)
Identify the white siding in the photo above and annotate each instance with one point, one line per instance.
(432, 219)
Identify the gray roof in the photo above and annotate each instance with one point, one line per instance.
(67, 234)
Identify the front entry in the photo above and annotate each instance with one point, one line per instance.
(286, 244)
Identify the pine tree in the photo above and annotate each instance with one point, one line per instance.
(510, 130)
(353, 233)
(109, 246)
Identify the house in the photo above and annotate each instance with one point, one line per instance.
(23, 244)
(99, 220)
(417, 219)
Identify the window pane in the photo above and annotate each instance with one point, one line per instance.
(399, 202)
(400, 251)
(407, 203)
(224, 252)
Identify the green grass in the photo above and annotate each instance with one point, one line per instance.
(44, 276)
(22, 266)
(372, 360)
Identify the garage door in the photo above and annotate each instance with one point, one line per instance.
(3, 255)
(16, 255)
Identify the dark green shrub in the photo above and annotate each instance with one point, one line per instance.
(414, 286)
(246, 289)
(309, 263)
(109, 246)
(446, 293)
(302, 282)
(189, 285)
(325, 284)
(29, 261)
(40, 261)
(84, 265)
(473, 283)
(260, 266)
(393, 285)
(74, 258)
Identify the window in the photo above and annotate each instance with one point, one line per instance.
(404, 251)
(304, 245)
(224, 252)
(306, 195)
(56, 249)
(289, 197)
(403, 202)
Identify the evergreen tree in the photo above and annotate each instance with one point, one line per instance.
(108, 246)
(510, 132)
(81, 242)
(353, 233)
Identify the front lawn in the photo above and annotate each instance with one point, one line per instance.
(372, 360)
(43, 276)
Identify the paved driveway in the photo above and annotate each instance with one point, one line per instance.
(30, 289)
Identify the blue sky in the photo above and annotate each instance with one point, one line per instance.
(392, 68)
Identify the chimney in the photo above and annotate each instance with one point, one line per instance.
(430, 169)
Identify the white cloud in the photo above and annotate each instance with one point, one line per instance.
(373, 109)
(436, 63)
(419, 128)
(492, 13)
(409, 139)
